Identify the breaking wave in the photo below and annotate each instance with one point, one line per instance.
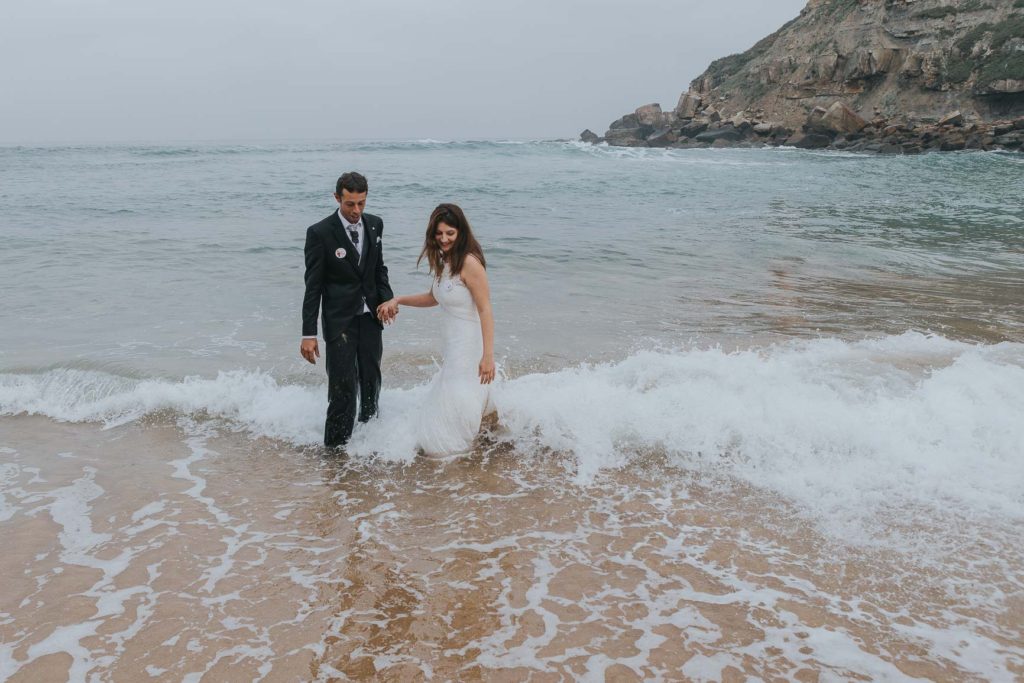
(839, 428)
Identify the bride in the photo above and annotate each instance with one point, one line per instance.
(458, 396)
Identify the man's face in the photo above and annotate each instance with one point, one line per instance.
(352, 204)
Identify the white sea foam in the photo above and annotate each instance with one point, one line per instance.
(8, 477)
(842, 429)
(252, 400)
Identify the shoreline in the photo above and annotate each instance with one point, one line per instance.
(836, 128)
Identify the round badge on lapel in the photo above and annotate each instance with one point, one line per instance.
(340, 253)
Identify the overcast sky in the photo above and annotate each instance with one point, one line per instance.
(174, 70)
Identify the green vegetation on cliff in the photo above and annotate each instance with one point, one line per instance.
(984, 50)
(721, 69)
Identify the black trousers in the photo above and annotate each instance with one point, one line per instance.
(353, 371)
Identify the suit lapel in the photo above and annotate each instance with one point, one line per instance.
(341, 235)
(370, 234)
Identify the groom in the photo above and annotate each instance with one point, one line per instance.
(347, 279)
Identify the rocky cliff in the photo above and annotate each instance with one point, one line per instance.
(884, 75)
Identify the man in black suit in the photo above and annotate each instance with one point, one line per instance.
(347, 278)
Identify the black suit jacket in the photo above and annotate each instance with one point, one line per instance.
(336, 281)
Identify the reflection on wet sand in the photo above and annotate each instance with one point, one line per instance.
(134, 553)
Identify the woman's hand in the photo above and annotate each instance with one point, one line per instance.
(387, 311)
(486, 370)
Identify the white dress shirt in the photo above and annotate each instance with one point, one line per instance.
(358, 227)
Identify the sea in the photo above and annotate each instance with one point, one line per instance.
(760, 416)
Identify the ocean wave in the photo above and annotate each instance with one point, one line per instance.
(842, 429)
(431, 144)
(196, 150)
(697, 157)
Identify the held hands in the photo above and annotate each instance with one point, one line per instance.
(486, 369)
(310, 350)
(387, 311)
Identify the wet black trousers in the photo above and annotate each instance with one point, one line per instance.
(353, 372)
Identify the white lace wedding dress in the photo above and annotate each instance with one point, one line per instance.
(449, 419)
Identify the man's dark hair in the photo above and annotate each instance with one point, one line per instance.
(353, 182)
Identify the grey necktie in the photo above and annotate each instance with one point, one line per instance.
(353, 233)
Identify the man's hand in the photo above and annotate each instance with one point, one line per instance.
(387, 311)
(310, 350)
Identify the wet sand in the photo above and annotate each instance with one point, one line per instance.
(184, 551)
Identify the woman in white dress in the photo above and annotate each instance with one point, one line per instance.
(459, 394)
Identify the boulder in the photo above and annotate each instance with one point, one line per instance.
(627, 121)
(809, 141)
(693, 128)
(590, 136)
(1019, 124)
(712, 114)
(689, 103)
(623, 136)
(839, 118)
(727, 134)
(661, 138)
(954, 119)
(649, 115)
(814, 119)
(763, 128)
(740, 122)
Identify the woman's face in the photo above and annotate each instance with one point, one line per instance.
(445, 236)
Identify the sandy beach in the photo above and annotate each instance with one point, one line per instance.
(187, 552)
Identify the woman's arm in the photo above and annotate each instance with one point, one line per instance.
(387, 311)
(474, 276)
(425, 300)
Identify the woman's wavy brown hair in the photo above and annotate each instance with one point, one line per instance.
(465, 243)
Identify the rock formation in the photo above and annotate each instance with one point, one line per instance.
(875, 75)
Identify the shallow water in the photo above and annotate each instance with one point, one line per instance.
(219, 558)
